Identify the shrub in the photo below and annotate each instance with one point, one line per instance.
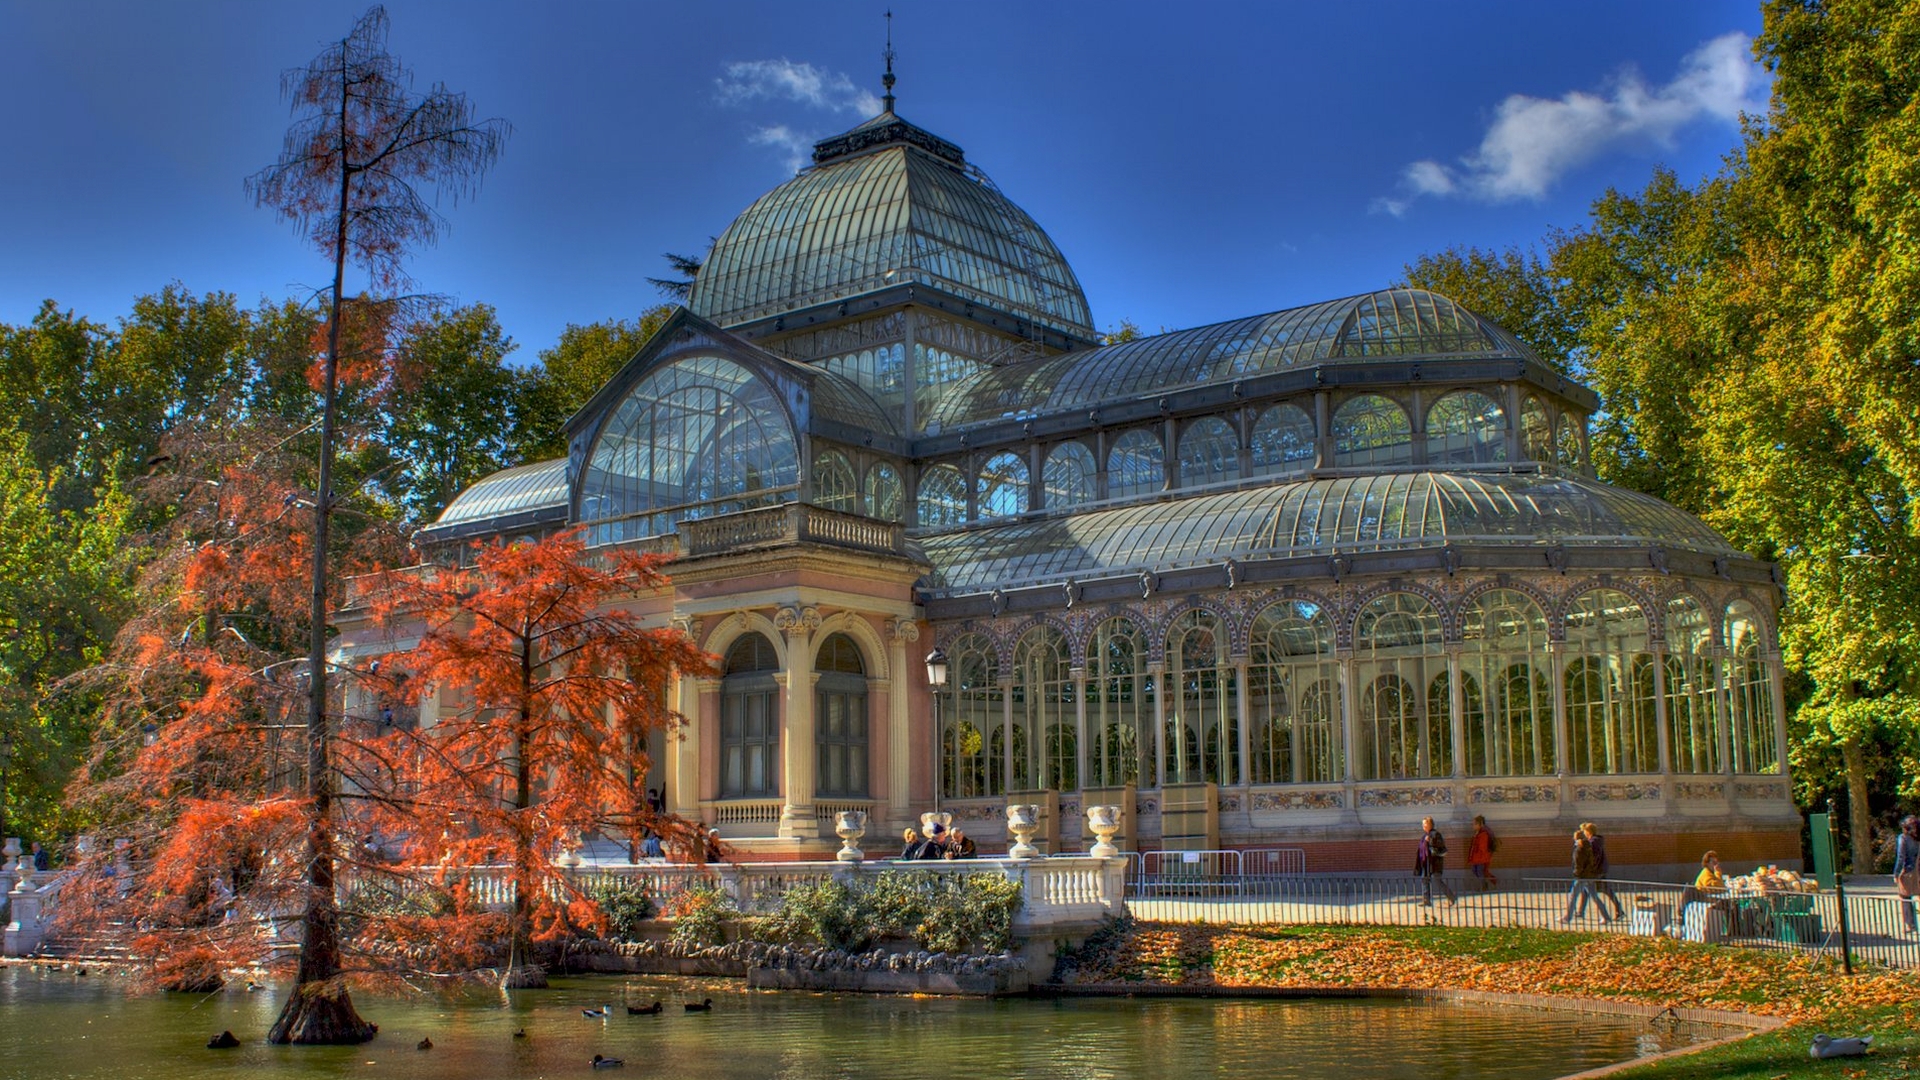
(625, 904)
(700, 913)
(953, 913)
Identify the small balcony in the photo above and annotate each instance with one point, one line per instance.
(791, 523)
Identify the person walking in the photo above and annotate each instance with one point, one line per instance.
(1906, 870)
(1430, 862)
(1586, 870)
(1480, 853)
(1601, 885)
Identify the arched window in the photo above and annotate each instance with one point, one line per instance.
(886, 496)
(1504, 650)
(840, 719)
(1044, 711)
(1203, 732)
(943, 497)
(1611, 725)
(1749, 693)
(1692, 720)
(834, 487)
(1466, 427)
(1068, 476)
(1209, 453)
(1136, 465)
(1536, 432)
(1398, 653)
(1282, 442)
(1294, 701)
(1371, 430)
(750, 721)
(1002, 491)
(1567, 444)
(697, 437)
(1120, 697)
(973, 709)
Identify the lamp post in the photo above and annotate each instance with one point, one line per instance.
(936, 681)
(6, 759)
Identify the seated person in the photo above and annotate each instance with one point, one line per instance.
(911, 842)
(935, 846)
(960, 845)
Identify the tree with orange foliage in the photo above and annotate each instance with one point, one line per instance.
(200, 759)
(547, 690)
(361, 146)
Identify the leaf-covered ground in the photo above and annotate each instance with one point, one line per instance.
(1811, 993)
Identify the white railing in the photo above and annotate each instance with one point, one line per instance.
(747, 812)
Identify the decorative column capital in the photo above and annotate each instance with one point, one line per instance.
(688, 625)
(797, 622)
(903, 631)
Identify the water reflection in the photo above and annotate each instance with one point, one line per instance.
(54, 1025)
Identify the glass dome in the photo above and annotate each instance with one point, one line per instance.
(887, 204)
(1393, 322)
(541, 485)
(1312, 517)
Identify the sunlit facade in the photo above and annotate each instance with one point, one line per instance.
(1320, 572)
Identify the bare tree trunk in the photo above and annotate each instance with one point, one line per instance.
(320, 1010)
(1859, 812)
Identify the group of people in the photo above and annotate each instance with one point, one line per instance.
(1590, 877)
(939, 843)
(1430, 859)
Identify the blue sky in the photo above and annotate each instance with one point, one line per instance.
(1195, 162)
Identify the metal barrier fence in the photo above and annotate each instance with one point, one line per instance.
(1880, 926)
(1239, 872)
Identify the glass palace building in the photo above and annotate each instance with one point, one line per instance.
(1294, 580)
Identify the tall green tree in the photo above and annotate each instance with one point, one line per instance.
(448, 414)
(569, 373)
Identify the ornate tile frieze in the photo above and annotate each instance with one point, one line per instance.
(1514, 793)
(1700, 789)
(1759, 789)
(1615, 792)
(1425, 796)
(1299, 800)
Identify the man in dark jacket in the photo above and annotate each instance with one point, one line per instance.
(1600, 886)
(1430, 861)
(1586, 871)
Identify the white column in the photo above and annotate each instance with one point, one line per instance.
(686, 791)
(1244, 720)
(1158, 672)
(902, 632)
(1080, 758)
(1457, 701)
(796, 816)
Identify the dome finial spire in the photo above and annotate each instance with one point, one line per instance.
(887, 79)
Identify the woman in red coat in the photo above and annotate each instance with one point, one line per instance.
(1480, 854)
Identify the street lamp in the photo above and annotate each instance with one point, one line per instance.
(936, 681)
(6, 758)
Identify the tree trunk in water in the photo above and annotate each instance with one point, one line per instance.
(1859, 812)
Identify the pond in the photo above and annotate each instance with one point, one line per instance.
(55, 1025)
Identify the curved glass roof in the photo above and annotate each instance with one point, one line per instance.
(536, 486)
(1393, 322)
(840, 399)
(1312, 517)
(882, 209)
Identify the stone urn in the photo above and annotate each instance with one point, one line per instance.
(1103, 822)
(850, 827)
(1023, 822)
(569, 858)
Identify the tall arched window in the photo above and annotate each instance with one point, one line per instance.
(943, 496)
(1371, 430)
(1504, 650)
(1203, 732)
(1536, 432)
(840, 719)
(834, 487)
(697, 437)
(1692, 719)
(973, 710)
(1294, 696)
(1466, 427)
(1209, 453)
(1136, 465)
(750, 721)
(1282, 442)
(1611, 725)
(1398, 652)
(1044, 711)
(1120, 696)
(1567, 443)
(1002, 491)
(1068, 476)
(1749, 693)
(886, 496)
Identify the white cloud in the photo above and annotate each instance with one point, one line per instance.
(751, 80)
(1533, 142)
(797, 146)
